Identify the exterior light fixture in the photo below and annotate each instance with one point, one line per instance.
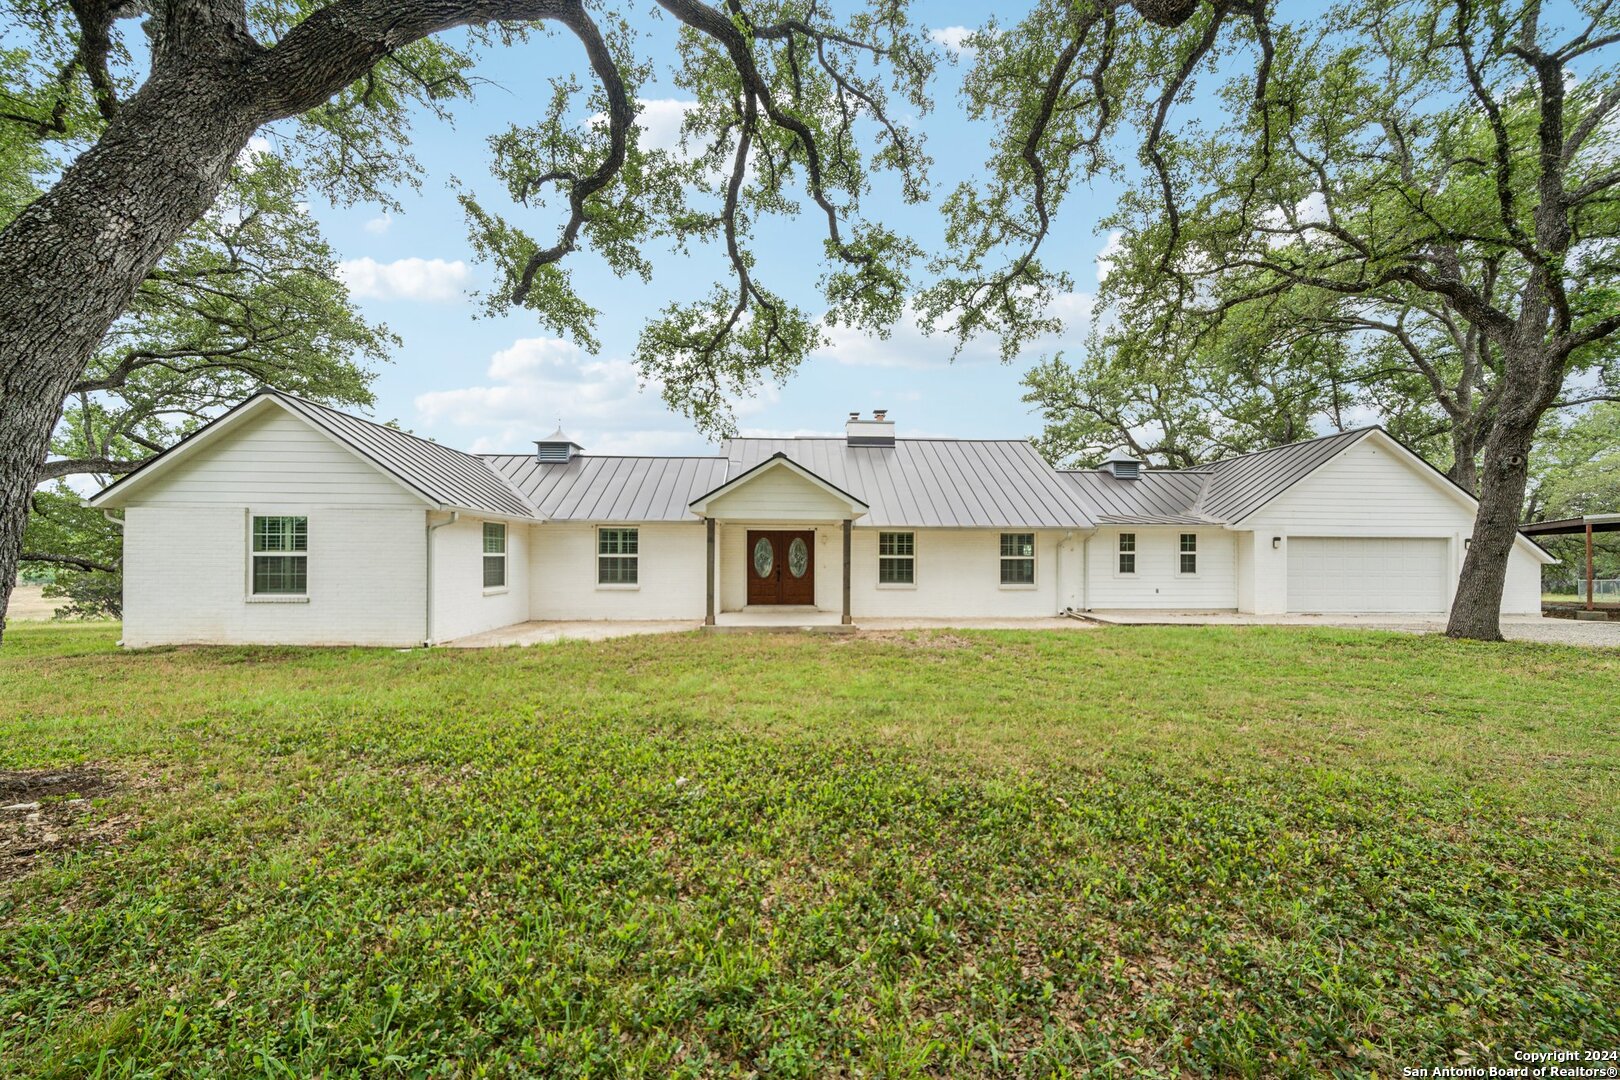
(1276, 542)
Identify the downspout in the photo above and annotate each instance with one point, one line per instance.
(1057, 573)
(118, 523)
(427, 605)
(1085, 573)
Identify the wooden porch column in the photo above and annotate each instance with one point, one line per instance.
(849, 527)
(708, 612)
(1589, 574)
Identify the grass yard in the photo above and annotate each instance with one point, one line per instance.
(1147, 850)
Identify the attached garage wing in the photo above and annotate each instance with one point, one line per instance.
(1373, 574)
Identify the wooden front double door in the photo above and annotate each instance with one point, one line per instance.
(781, 566)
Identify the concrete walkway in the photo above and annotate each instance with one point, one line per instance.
(540, 633)
(543, 633)
(1514, 627)
(1517, 628)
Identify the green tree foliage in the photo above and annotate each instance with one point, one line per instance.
(249, 297)
(1577, 472)
(1315, 235)
(1431, 182)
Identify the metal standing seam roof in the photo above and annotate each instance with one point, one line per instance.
(447, 476)
(1236, 487)
(1153, 498)
(592, 487)
(932, 483)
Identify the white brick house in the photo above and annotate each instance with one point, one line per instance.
(288, 522)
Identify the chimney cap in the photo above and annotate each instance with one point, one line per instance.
(854, 415)
(879, 414)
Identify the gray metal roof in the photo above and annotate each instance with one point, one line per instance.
(925, 483)
(1237, 487)
(446, 476)
(1154, 494)
(590, 487)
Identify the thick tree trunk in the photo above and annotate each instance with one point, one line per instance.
(70, 262)
(1464, 452)
(1477, 610)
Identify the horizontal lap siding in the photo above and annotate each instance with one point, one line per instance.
(562, 574)
(1157, 583)
(460, 604)
(186, 577)
(1368, 491)
(273, 457)
(1365, 491)
(778, 495)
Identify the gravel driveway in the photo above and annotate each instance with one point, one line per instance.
(1515, 628)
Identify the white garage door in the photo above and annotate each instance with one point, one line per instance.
(1361, 573)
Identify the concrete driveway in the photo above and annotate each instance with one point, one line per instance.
(1514, 627)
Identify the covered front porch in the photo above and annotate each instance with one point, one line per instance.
(778, 544)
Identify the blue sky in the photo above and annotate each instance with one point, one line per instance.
(483, 383)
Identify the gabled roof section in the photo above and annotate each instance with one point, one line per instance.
(1236, 487)
(933, 483)
(857, 506)
(440, 476)
(450, 477)
(592, 487)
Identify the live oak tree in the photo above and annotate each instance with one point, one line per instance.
(1445, 157)
(790, 103)
(250, 296)
(1182, 386)
(792, 106)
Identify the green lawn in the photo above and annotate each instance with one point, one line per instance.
(1151, 850)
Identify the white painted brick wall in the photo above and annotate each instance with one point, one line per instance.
(186, 577)
(562, 574)
(461, 604)
(1157, 582)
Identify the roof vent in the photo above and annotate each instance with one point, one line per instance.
(1122, 465)
(878, 431)
(556, 449)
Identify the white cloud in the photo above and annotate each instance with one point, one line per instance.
(1110, 251)
(380, 224)
(905, 347)
(536, 383)
(660, 121)
(247, 159)
(954, 38)
(405, 279)
(909, 347)
(788, 433)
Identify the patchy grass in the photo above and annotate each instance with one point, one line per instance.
(1152, 850)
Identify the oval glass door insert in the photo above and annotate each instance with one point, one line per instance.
(798, 557)
(764, 557)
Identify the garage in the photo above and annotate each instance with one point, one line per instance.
(1367, 573)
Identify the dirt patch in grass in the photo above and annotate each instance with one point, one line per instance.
(46, 811)
(935, 640)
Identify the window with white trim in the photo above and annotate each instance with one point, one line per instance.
(618, 556)
(494, 555)
(1189, 553)
(1127, 553)
(897, 558)
(1018, 558)
(280, 556)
